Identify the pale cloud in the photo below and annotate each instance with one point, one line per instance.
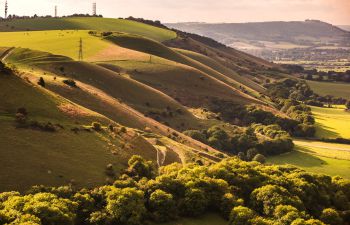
(334, 11)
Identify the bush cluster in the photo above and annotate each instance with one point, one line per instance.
(245, 116)
(246, 193)
(244, 142)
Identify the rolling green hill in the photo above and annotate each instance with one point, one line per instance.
(147, 81)
(87, 23)
(54, 157)
(155, 48)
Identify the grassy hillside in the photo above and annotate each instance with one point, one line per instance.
(66, 43)
(331, 122)
(56, 42)
(111, 85)
(154, 48)
(30, 156)
(241, 81)
(318, 157)
(327, 88)
(87, 23)
(185, 84)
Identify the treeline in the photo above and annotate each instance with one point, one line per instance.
(319, 75)
(155, 23)
(289, 96)
(244, 142)
(300, 91)
(245, 116)
(244, 193)
(16, 17)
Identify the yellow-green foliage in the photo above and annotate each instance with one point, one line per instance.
(328, 88)
(331, 122)
(84, 23)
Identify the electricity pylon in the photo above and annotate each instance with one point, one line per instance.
(80, 57)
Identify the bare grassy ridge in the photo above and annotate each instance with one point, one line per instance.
(154, 48)
(87, 23)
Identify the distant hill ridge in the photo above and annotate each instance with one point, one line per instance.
(265, 31)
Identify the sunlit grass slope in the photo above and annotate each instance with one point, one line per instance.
(30, 157)
(151, 47)
(329, 88)
(115, 87)
(318, 157)
(332, 122)
(251, 86)
(88, 23)
(189, 86)
(56, 42)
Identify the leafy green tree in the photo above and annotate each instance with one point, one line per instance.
(195, 202)
(139, 168)
(162, 206)
(286, 214)
(265, 199)
(331, 217)
(126, 206)
(227, 203)
(307, 222)
(251, 153)
(197, 135)
(260, 158)
(241, 215)
(41, 82)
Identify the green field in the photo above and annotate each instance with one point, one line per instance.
(329, 88)
(84, 23)
(209, 219)
(318, 157)
(56, 42)
(331, 122)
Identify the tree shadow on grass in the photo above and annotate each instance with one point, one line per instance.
(300, 159)
(326, 131)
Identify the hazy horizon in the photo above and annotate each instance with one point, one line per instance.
(331, 11)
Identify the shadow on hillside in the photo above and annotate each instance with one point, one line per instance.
(326, 131)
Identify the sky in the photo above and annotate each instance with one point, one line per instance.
(332, 11)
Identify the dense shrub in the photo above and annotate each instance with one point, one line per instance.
(197, 135)
(243, 192)
(96, 126)
(162, 206)
(70, 83)
(259, 158)
(41, 82)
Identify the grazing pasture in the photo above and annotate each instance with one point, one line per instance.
(317, 157)
(330, 88)
(332, 122)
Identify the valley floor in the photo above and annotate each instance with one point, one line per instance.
(332, 122)
(319, 157)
